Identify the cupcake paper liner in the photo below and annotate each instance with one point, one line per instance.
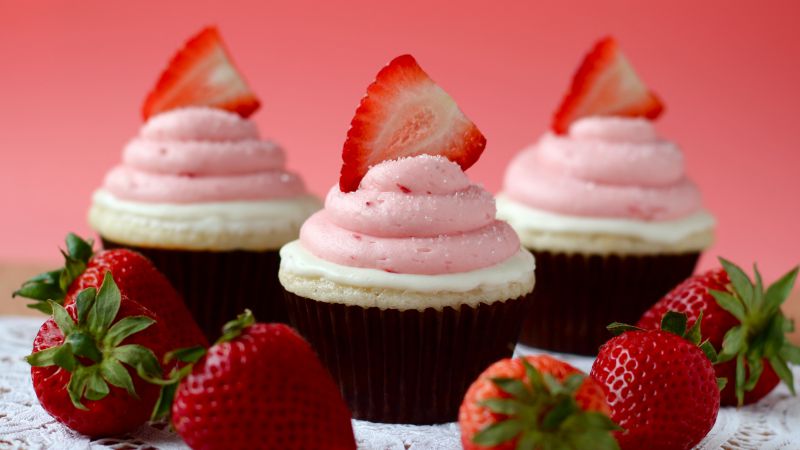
(217, 286)
(410, 366)
(577, 296)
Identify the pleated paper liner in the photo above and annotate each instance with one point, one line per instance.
(410, 366)
(217, 286)
(577, 296)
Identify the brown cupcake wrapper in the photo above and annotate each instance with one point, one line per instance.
(577, 296)
(409, 366)
(217, 286)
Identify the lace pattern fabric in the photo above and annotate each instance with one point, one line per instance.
(772, 424)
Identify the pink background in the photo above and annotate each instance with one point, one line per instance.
(74, 75)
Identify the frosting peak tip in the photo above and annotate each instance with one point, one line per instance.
(612, 128)
(422, 174)
(425, 202)
(199, 123)
(201, 154)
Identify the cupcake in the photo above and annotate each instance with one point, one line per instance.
(202, 195)
(604, 203)
(406, 283)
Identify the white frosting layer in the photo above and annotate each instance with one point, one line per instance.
(523, 217)
(309, 276)
(218, 226)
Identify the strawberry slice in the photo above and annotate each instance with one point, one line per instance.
(201, 74)
(406, 114)
(606, 85)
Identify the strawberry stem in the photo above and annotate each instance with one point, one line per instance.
(761, 335)
(93, 338)
(53, 285)
(541, 412)
(191, 356)
(234, 328)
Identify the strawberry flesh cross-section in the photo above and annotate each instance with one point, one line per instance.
(606, 85)
(201, 74)
(406, 114)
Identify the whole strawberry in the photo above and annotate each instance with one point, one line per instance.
(135, 275)
(259, 386)
(745, 321)
(91, 359)
(660, 385)
(535, 402)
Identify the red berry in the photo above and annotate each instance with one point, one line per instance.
(691, 297)
(118, 410)
(263, 389)
(139, 280)
(136, 277)
(766, 383)
(661, 388)
(763, 314)
(201, 74)
(476, 416)
(406, 114)
(606, 85)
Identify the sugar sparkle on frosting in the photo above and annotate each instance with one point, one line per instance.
(604, 167)
(417, 215)
(199, 154)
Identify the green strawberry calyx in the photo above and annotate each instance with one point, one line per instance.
(191, 355)
(761, 334)
(92, 349)
(234, 328)
(677, 324)
(541, 412)
(53, 285)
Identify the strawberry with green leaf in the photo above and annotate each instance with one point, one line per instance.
(136, 276)
(660, 384)
(535, 402)
(53, 285)
(745, 321)
(259, 386)
(93, 359)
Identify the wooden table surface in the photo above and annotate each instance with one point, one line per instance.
(13, 274)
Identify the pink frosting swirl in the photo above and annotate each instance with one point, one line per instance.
(201, 154)
(417, 215)
(604, 167)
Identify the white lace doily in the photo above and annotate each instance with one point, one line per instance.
(772, 424)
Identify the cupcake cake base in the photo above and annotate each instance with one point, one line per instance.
(593, 271)
(578, 295)
(221, 256)
(404, 348)
(217, 286)
(425, 359)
